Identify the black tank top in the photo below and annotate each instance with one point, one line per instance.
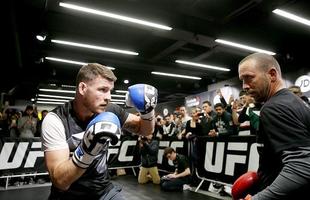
(96, 180)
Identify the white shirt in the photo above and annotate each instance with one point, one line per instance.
(53, 133)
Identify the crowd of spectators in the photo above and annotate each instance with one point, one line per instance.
(22, 124)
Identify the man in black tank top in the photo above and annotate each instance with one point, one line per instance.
(63, 131)
(283, 137)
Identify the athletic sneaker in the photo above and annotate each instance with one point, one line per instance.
(187, 187)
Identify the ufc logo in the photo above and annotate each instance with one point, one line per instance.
(231, 154)
(12, 156)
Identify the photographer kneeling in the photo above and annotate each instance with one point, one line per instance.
(179, 180)
(148, 150)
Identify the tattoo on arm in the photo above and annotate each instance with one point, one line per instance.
(134, 128)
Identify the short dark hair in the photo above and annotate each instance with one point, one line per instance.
(219, 105)
(92, 70)
(168, 150)
(29, 107)
(265, 61)
(207, 102)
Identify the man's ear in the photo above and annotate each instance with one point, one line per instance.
(82, 88)
(273, 74)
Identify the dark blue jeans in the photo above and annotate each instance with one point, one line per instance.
(174, 184)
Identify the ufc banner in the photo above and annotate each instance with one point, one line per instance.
(124, 154)
(221, 159)
(225, 159)
(21, 155)
(25, 155)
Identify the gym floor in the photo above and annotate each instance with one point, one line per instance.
(131, 191)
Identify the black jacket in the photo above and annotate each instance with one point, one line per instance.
(149, 153)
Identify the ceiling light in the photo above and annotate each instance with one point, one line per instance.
(242, 46)
(59, 91)
(118, 100)
(55, 96)
(291, 16)
(65, 61)
(118, 95)
(50, 102)
(121, 91)
(70, 61)
(202, 65)
(52, 84)
(69, 86)
(126, 81)
(115, 16)
(58, 100)
(177, 75)
(120, 103)
(41, 37)
(89, 46)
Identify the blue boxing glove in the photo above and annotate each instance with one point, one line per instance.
(144, 98)
(104, 128)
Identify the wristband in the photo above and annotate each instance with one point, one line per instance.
(148, 116)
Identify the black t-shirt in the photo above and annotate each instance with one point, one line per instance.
(206, 123)
(284, 124)
(196, 131)
(180, 163)
(223, 124)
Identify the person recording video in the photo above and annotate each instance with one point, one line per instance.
(148, 150)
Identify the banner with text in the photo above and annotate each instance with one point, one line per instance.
(225, 159)
(221, 159)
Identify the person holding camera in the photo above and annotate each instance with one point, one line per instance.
(181, 122)
(181, 178)
(206, 120)
(148, 150)
(158, 130)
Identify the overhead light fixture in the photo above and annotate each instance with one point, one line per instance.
(118, 95)
(202, 65)
(69, 86)
(176, 75)
(89, 46)
(121, 91)
(50, 102)
(126, 81)
(41, 37)
(114, 16)
(120, 103)
(65, 61)
(52, 84)
(55, 96)
(118, 100)
(291, 16)
(70, 61)
(58, 91)
(242, 46)
(57, 100)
